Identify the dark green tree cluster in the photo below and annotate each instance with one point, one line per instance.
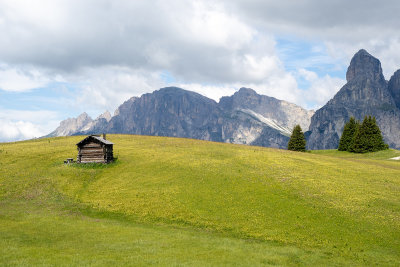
(297, 141)
(362, 138)
(346, 141)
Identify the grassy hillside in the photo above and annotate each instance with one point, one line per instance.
(170, 201)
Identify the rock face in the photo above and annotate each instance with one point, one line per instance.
(168, 112)
(365, 93)
(71, 126)
(284, 113)
(364, 66)
(250, 118)
(244, 118)
(394, 87)
(97, 125)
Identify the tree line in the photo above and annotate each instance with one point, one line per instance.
(356, 137)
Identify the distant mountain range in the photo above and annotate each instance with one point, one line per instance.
(82, 123)
(243, 118)
(249, 118)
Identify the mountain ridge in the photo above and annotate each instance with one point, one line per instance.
(253, 119)
(71, 125)
(243, 118)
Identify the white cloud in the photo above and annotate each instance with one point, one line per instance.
(31, 115)
(385, 49)
(113, 50)
(116, 49)
(344, 26)
(212, 25)
(197, 41)
(107, 87)
(283, 86)
(26, 124)
(35, 13)
(20, 130)
(321, 89)
(19, 79)
(214, 92)
(258, 68)
(309, 76)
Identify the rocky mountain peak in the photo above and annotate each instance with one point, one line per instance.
(83, 116)
(170, 90)
(363, 65)
(246, 91)
(169, 111)
(243, 98)
(72, 125)
(106, 115)
(175, 91)
(249, 101)
(82, 120)
(125, 105)
(365, 93)
(169, 93)
(96, 126)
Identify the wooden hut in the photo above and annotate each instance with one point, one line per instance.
(95, 149)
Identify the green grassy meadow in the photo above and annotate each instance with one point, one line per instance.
(173, 201)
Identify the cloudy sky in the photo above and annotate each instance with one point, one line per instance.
(59, 58)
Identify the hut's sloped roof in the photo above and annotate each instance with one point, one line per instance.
(102, 140)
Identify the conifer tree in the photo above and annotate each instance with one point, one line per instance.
(346, 140)
(359, 141)
(376, 136)
(297, 141)
(368, 137)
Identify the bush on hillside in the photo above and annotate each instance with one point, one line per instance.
(297, 140)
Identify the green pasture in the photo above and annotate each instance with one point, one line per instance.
(173, 201)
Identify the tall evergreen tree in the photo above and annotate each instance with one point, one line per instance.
(376, 136)
(368, 137)
(297, 141)
(346, 140)
(359, 140)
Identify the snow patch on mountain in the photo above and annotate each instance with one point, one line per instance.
(270, 122)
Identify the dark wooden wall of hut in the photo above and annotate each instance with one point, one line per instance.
(109, 154)
(95, 152)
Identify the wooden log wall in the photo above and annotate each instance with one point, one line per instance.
(109, 154)
(92, 152)
(95, 152)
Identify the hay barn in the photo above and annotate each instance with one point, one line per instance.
(95, 149)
